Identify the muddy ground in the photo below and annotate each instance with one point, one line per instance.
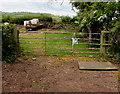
(56, 74)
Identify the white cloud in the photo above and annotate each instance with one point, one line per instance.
(9, 0)
(42, 7)
(50, 1)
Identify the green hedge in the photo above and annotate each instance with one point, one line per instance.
(13, 19)
(10, 49)
(115, 41)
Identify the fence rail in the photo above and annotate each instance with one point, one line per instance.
(60, 33)
(59, 48)
(59, 38)
(61, 43)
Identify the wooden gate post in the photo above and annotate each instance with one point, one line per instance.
(16, 34)
(90, 34)
(102, 42)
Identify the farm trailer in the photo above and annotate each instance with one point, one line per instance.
(30, 27)
(33, 24)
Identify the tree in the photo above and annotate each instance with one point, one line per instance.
(97, 15)
(66, 19)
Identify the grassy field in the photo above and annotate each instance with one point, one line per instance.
(53, 44)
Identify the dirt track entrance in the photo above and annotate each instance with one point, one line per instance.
(56, 74)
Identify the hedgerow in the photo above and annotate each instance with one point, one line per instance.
(10, 48)
(115, 41)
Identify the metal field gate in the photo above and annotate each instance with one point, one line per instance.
(54, 43)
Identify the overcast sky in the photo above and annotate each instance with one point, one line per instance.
(42, 6)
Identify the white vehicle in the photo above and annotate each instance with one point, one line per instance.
(34, 21)
(6, 23)
(26, 22)
(32, 24)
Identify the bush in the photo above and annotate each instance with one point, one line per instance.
(10, 48)
(115, 48)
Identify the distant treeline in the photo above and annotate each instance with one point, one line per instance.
(20, 17)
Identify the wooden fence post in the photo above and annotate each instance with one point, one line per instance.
(90, 34)
(102, 42)
(16, 34)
